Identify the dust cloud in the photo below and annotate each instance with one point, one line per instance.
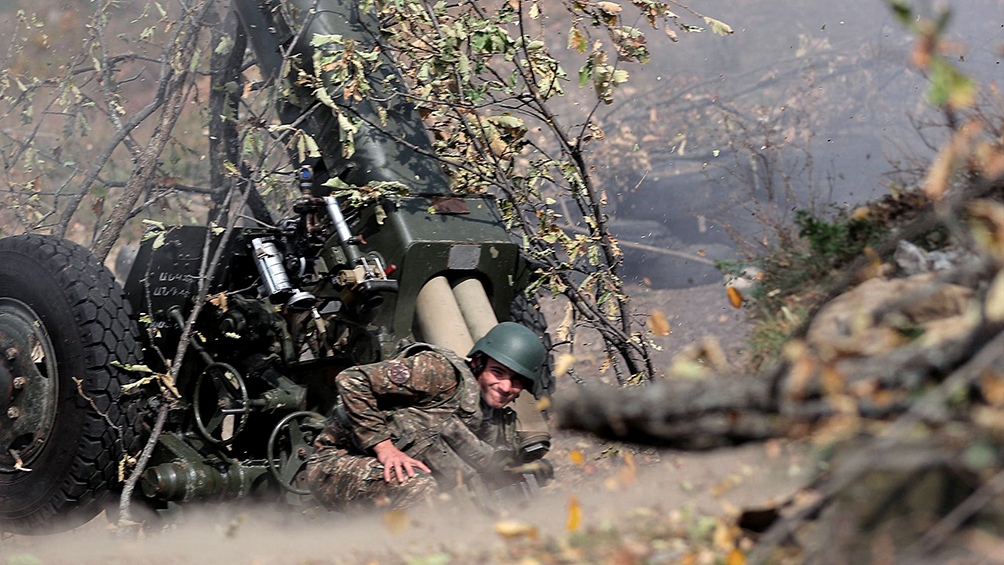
(271, 534)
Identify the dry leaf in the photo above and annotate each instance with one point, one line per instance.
(992, 387)
(543, 404)
(725, 485)
(514, 529)
(625, 477)
(576, 457)
(565, 327)
(987, 220)
(395, 521)
(610, 7)
(833, 381)
(735, 297)
(874, 267)
(949, 158)
(736, 557)
(574, 514)
(219, 300)
(658, 324)
(563, 363)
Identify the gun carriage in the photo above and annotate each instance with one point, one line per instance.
(292, 303)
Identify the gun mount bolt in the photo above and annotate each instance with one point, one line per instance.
(19, 382)
(13, 412)
(11, 353)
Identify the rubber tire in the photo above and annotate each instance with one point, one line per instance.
(89, 324)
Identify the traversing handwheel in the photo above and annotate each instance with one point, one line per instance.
(231, 399)
(289, 447)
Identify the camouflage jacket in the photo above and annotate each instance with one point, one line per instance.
(428, 402)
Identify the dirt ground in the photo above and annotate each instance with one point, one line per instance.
(609, 482)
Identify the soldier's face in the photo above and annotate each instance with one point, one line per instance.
(500, 385)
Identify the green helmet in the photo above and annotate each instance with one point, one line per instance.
(516, 347)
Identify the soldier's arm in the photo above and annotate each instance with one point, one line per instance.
(417, 380)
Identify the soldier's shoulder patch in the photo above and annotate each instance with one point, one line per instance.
(398, 372)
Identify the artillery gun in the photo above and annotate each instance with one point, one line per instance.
(292, 304)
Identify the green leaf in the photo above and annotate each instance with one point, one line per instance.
(718, 27)
(901, 9)
(440, 558)
(511, 122)
(133, 368)
(313, 151)
(194, 64)
(322, 39)
(224, 46)
(949, 87)
(23, 559)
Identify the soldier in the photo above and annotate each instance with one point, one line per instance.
(425, 421)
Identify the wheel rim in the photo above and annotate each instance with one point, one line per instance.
(29, 386)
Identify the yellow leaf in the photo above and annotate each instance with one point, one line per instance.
(607, 362)
(515, 529)
(658, 324)
(722, 536)
(576, 457)
(574, 514)
(861, 213)
(994, 307)
(736, 557)
(395, 521)
(563, 363)
(735, 297)
(543, 404)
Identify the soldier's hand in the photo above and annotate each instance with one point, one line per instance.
(396, 463)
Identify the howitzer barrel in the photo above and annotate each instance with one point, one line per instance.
(439, 318)
(391, 144)
(185, 480)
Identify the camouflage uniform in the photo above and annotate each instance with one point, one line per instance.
(428, 402)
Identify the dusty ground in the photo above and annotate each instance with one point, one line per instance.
(609, 482)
